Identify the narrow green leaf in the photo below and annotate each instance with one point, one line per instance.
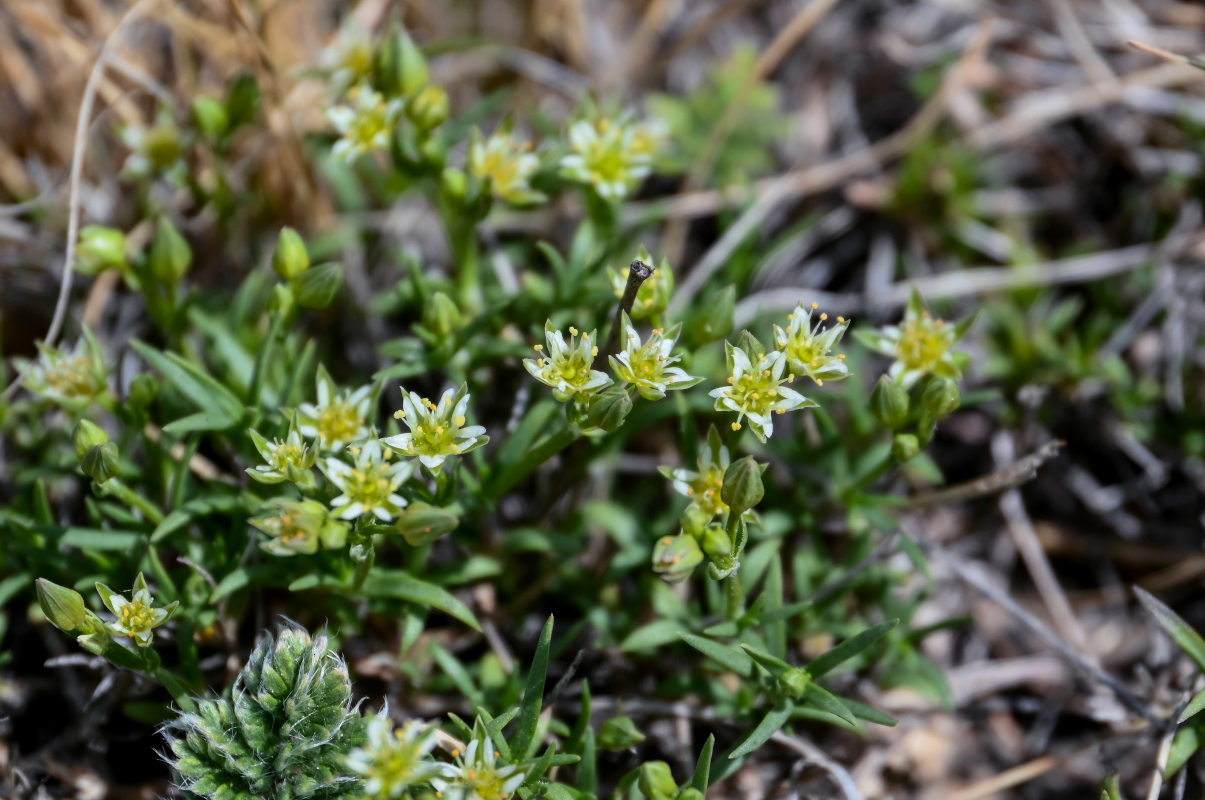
(770, 724)
(818, 697)
(1191, 710)
(587, 771)
(1188, 639)
(199, 422)
(653, 635)
(1187, 742)
(400, 585)
(703, 766)
(727, 656)
(533, 695)
(98, 539)
(849, 648)
(1111, 788)
(863, 711)
(559, 791)
(457, 672)
(202, 389)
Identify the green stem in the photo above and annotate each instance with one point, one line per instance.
(276, 321)
(736, 597)
(115, 487)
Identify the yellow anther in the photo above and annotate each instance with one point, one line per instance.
(815, 305)
(539, 347)
(736, 426)
(823, 317)
(460, 421)
(399, 414)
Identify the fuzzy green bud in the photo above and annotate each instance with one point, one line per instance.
(889, 402)
(619, 733)
(170, 255)
(656, 781)
(904, 447)
(87, 435)
(716, 319)
(422, 524)
(608, 409)
(742, 488)
(143, 390)
(441, 316)
(794, 682)
(100, 463)
(99, 249)
(62, 606)
(429, 108)
(316, 287)
(675, 557)
(941, 397)
(290, 258)
(210, 116)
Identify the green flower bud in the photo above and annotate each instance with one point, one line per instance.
(693, 520)
(62, 606)
(281, 301)
(691, 793)
(750, 344)
(715, 320)
(87, 435)
(675, 557)
(422, 524)
(170, 255)
(926, 426)
(608, 409)
(619, 733)
(941, 397)
(209, 116)
(904, 447)
(889, 402)
(429, 108)
(441, 317)
(455, 183)
(143, 390)
(794, 682)
(743, 489)
(316, 287)
(95, 643)
(716, 543)
(290, 258)
(656, 781)
(400, 67)
(101, 462)
(99, 249)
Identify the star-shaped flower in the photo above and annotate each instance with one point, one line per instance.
(808, 346)
(338, 417)
(921, 344)
(437, 430)
(364, 126)
(70, 378)
(755, 391)
(508, 165)
(649, 366)
(136, 617)
(395, 758)
(288, 459)
(370, 485)
(703, 484)
(477, 775)
(566, 367)
(608, 156)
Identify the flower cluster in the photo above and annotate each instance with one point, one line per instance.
(72, 379)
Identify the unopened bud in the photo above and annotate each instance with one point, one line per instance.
(62, 606)
(675, 557)
(455, 182)
(889, 402)
(656, 781)
(290, 258)
(742, 488)
(619, 733)
(794, 682)
(87, 435)
(441, 316)
(904, 447)
(400, 66)
(716, 543)
(941, 397)
(170, 255)
(99, 249)
(281, 301)
(101, 462)
(209, 116)
(749, 343)
(316, 287)
(694, 520)
(422, 524)
(608, 409)
(429, 108)
(143, 390)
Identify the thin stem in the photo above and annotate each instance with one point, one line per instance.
(732, 584)
(115, 487)
(638, 273)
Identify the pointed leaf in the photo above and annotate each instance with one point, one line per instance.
(402, 585)
(770, 724)
(533, 695)
(725, 655)
(848, 649)
(703, 766)
(1189, 640)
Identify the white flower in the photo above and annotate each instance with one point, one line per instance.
(508, 166)
(755, 392)
(703, 484)
(477, 776)
(395, 758)
(136, 617)
(607, 155)
(364, 126)
(807, 346)
(437, 430)
(370, 485)
(73, 378)
(339, 416)
(567, 367)
(289, 459)
(649, 366)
